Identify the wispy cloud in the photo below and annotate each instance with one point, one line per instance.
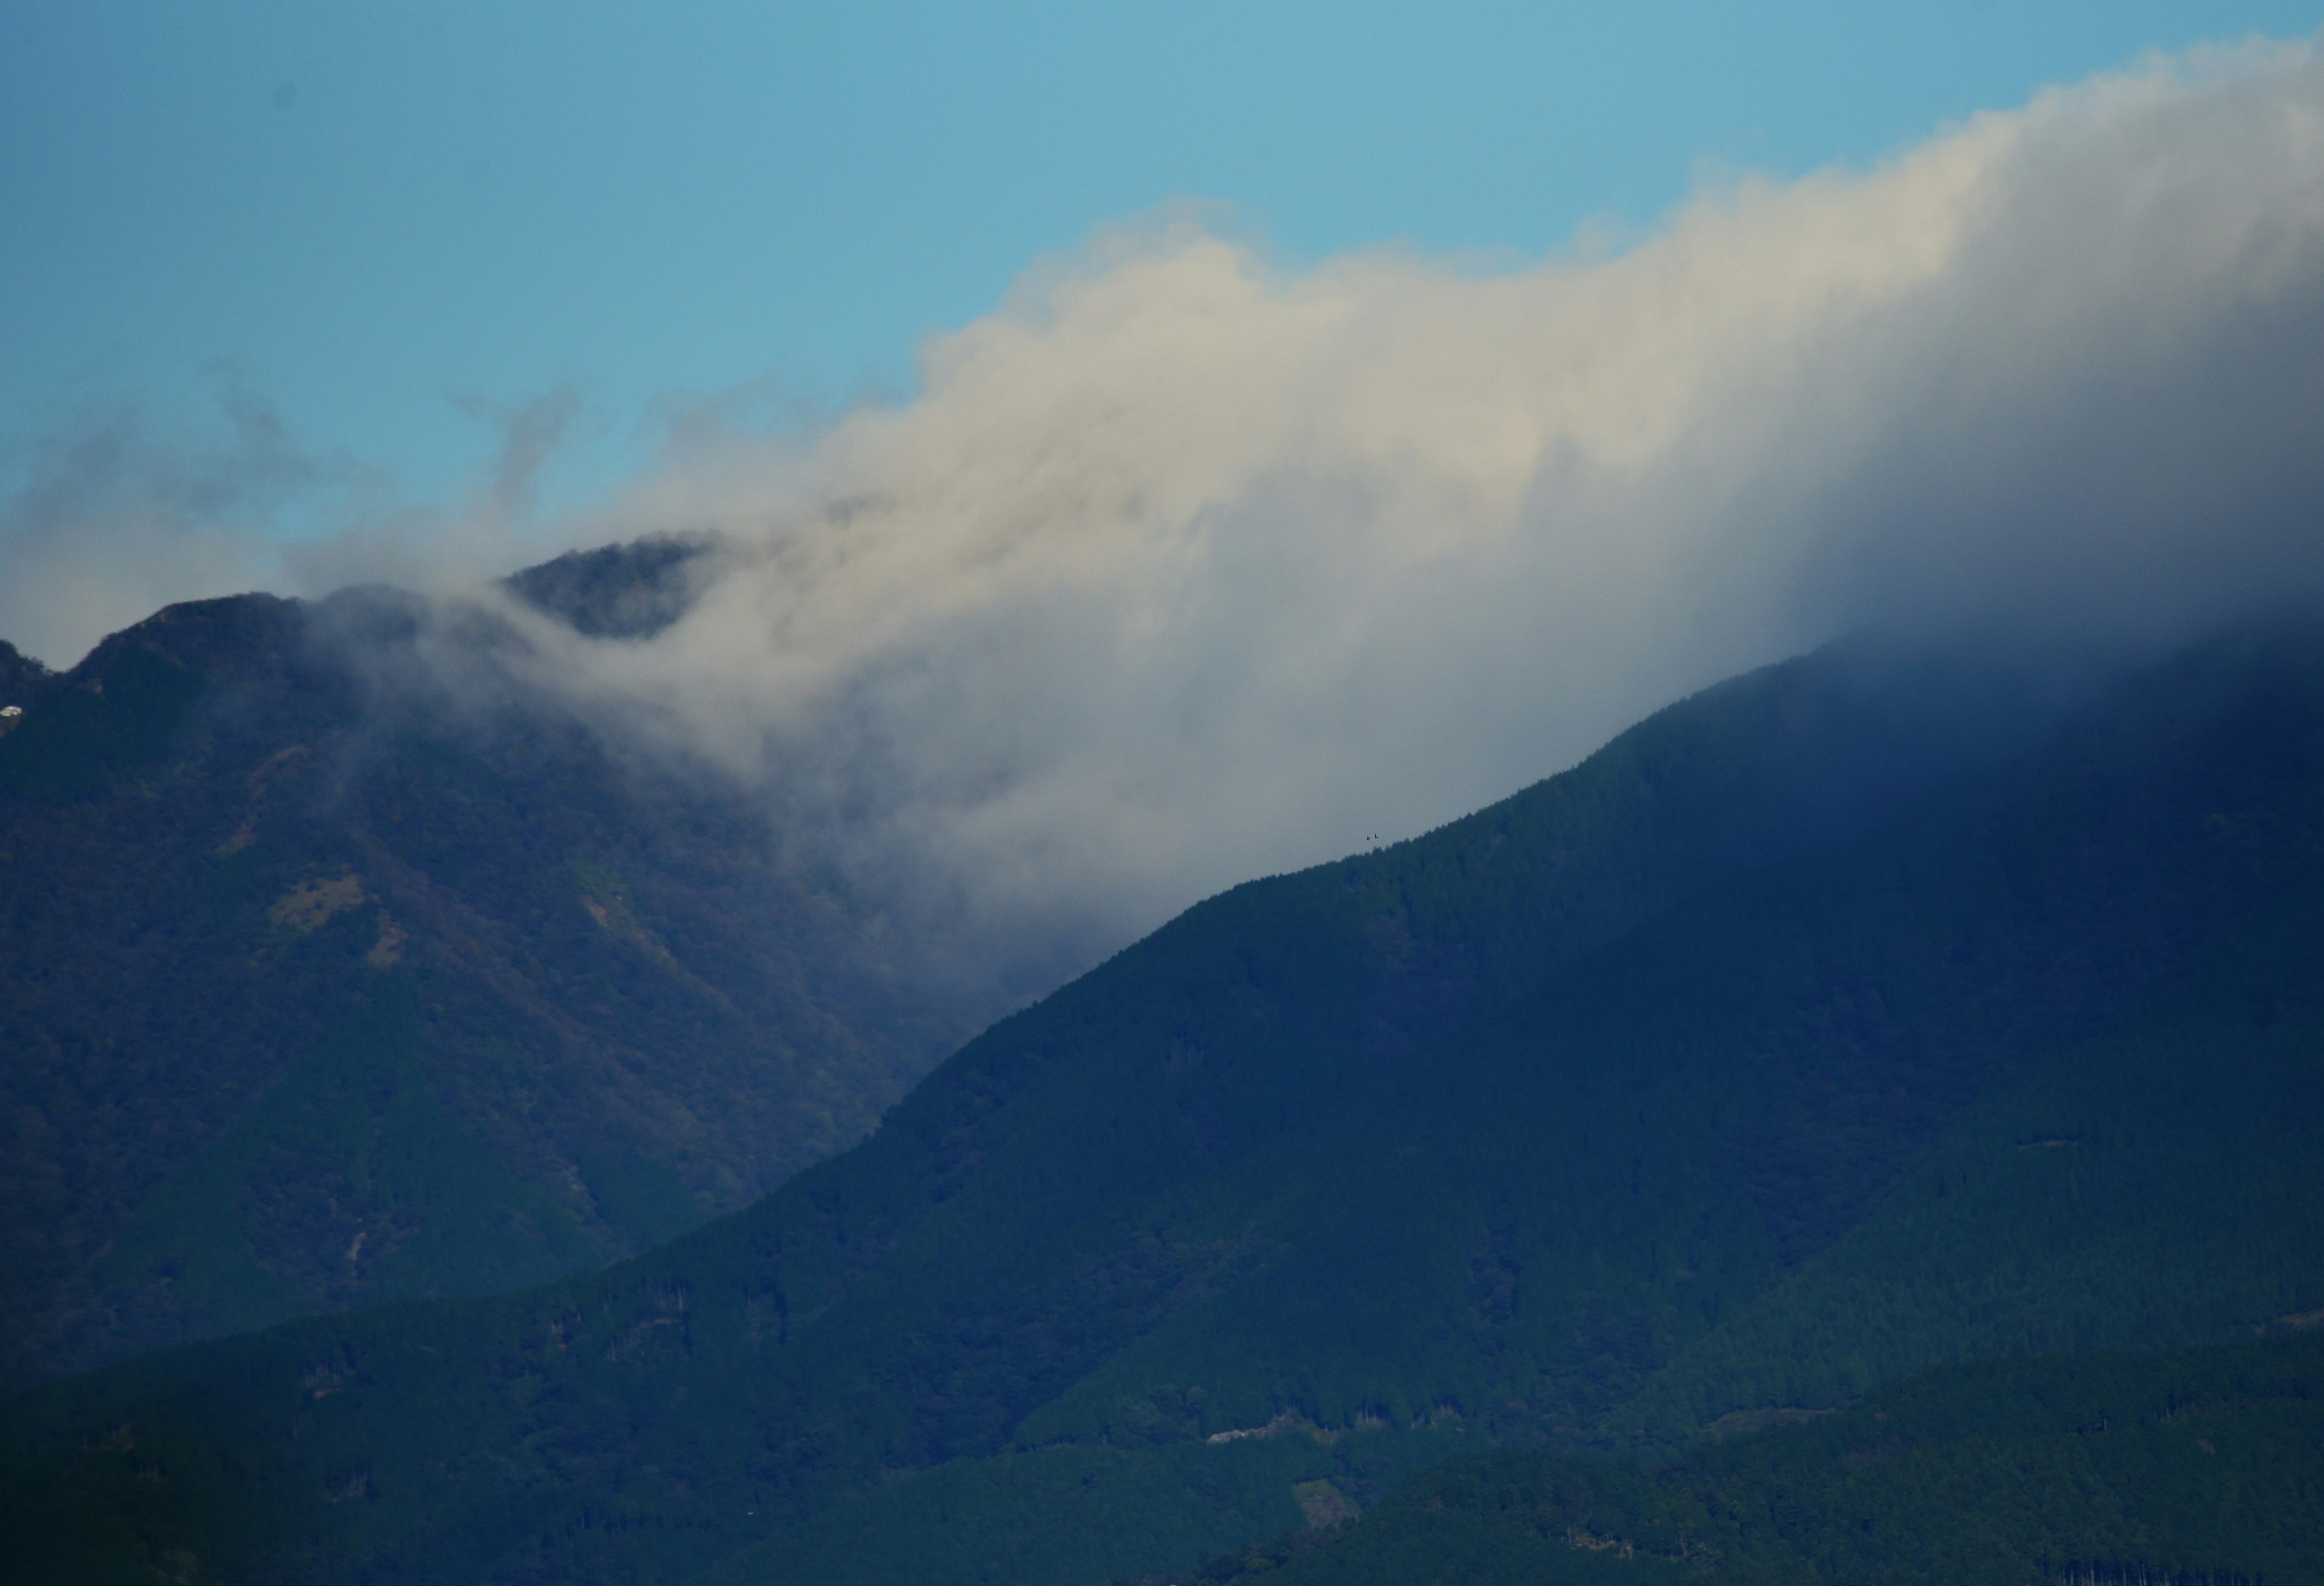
(110, 521)
(114, 516)
(1184, 566)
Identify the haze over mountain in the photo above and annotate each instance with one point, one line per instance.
(1847, 1019)
(1189, 563)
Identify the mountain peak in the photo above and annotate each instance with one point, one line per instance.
(22, 680)
(630, 591)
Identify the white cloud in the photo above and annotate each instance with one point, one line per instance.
(1184, 567)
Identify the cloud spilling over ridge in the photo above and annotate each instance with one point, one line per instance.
(1184, 567)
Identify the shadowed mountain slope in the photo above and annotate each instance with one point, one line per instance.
(1777, 1049)
(323, 988)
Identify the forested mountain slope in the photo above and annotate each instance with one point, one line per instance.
(319, 988)
(1822, 1027)
(2195, 1466)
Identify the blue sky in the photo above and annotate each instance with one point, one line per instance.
(388, 220)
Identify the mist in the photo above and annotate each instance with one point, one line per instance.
(1187, 565)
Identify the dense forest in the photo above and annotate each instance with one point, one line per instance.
(1854, 1020)
(2195, 1467)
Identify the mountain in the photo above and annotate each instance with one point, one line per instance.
(1847, 1020)
(321, 986)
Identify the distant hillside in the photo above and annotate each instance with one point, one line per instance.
(319, 988)
(1840, 1022)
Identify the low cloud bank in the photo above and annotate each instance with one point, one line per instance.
(1184, 568)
